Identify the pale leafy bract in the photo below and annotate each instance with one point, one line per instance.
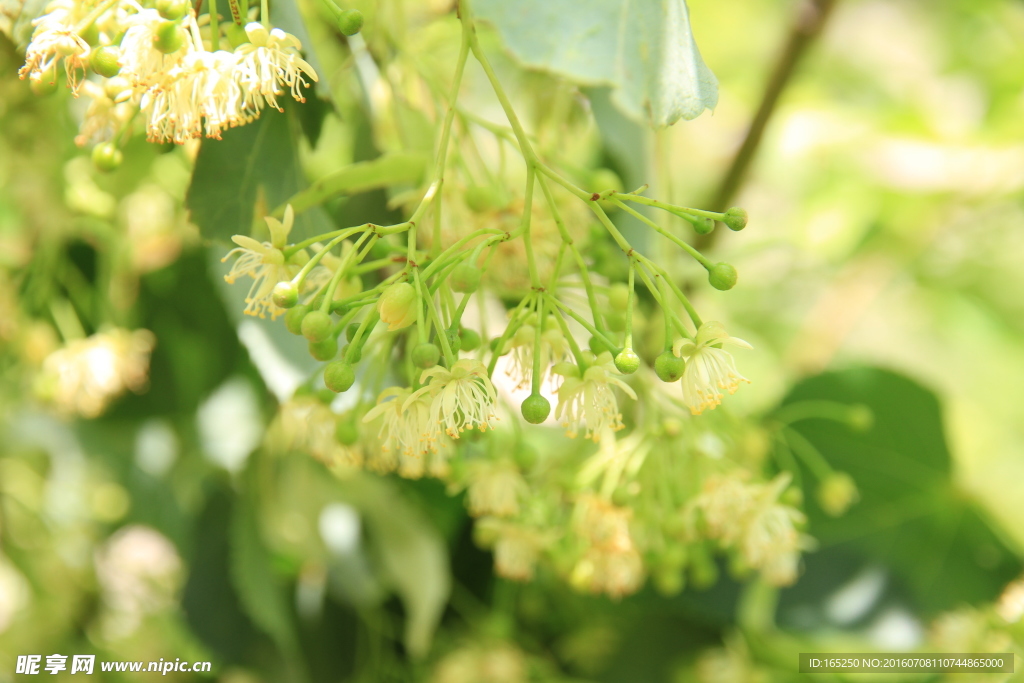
(644, 49)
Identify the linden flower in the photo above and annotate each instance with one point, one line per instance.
(398, 306)
(264, 263)
(588, 402)
(141, 62)
(404, 421)
(494, 489)
(269, 61)
(553, 349)
(462, 398)
(611, 564)
(53, 39)
(710, 370)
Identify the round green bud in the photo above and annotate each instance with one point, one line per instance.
(536, 409)
(346, 432)
(735, 218)
(470, 339)
(860, 418)
(106, 156)
(398, 306)
(172, 9)
(465, 278)
(316, 326)
(170, 36)
(483, 198)
(616, 321)
(285, 295)
(46, 84)
(605, 179)
(493, 345)
(669, 367)
(350, 331)
(722, 276)
(669, 581)
(350, 22)
(352, 353)
(627, 362)
(836, 493)
(339, 376)
(454, 341)
(702, 225)
(104, 61)
(618, 296)
(599, 346)
(325, 349)
(426, 355)
(293, 318)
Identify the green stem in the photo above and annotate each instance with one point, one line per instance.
(581, 361)
(427, 299)
(582, 321)
(332, 286)
(538, 338)
(214, 26)
(514, 324)
(703, 260)
(629, 306)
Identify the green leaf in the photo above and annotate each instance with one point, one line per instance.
(644, 50)
(911, 516)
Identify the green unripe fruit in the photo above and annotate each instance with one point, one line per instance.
(482, 198)
(325, 349)
(599, 346)
(170, 36)
(536, 409)
(352, 354)
(735, 218)
(339, 376)
(293, 318)
(470, 339)
(104, 61)
(172, 9)
(465, 278)
(722, 276)
(669, 367)
(350, 22)
(426, 355)
(627, 362)
(702, 225)
(316, 326)
(346, 432)
(350, 331)
(453, 340)
(106, 156)
(285, 295)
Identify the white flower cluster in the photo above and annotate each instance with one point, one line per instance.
(162, 68)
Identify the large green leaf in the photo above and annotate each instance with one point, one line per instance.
(912, 518)
(644, 50)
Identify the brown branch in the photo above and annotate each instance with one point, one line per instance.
(811, 18)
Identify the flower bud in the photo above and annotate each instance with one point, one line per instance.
(722, 276)
(618, 296)
(483, 198)
(104, 61)
(316, 326)
(170, 36)
(860, 418)
(702, 225)
(426, 355)
(465, 278)
(106, 156)
(627, 362)
(836, 493)
(325, 349)
(172, 9)
(470, 339)
(669, 367)
(285, 294)
(735, 218)
(346, 432)
(351, 330)
(616, 321)
(599, 346)
(350, 22)
(398, 306)
(536, 409)
(293, 318)
(339, 376)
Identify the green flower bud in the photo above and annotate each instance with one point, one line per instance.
(172, 9)
(836, 493)
(325, 349)
(398, 306)
(285, 294)
(599, 346)
(346, 432)
(536, 409)
(483, 198)
(618, 296)
(616, 321)
(860, 418)
(470, 339)
(339, 376)
(106, 156)
(352, 353)
(605, 179)
(46, 84)
(465, 278)
(735, 218)
(627, 362)
(702, 225)
(350, 22)
(104, 61)
(722, 276)
(293, 318)
(350, 331)
(170, 36)
(316, 326)
(493, 344)
(426, 355)
(669, 367)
